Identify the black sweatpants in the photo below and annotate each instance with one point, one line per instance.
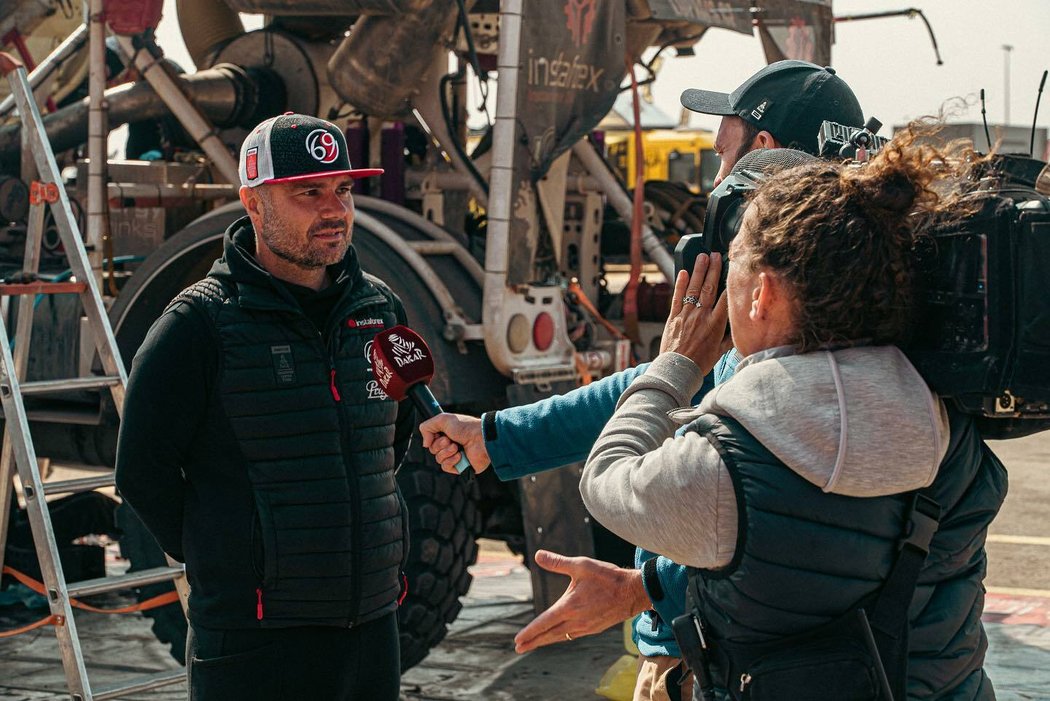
(293, 664)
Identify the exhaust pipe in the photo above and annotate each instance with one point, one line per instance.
(207, 26)
(226, 94)
(377, 69)
(278, 8)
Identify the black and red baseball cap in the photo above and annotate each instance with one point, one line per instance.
(296, 147)
(789, 99)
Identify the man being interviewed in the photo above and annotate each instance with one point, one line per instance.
(255, 449)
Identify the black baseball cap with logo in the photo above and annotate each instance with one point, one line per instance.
(789, 99)
(296, 147)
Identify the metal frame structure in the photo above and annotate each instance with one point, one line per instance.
(18, 442)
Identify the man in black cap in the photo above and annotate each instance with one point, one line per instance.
(258, 449)
(782, 105)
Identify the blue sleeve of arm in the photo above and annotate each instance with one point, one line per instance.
(555, 431)
(673, 580)
(726, 366)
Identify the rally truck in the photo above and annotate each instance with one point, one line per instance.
(525, 260)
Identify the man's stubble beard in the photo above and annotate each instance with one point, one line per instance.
(300, 253)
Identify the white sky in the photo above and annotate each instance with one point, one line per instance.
(889, 63)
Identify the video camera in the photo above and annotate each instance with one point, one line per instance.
(857, 143)
(982, 332)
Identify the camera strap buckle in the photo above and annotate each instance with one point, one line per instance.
(923, 521)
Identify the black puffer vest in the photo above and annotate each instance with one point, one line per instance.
(316, 434)
(804, 557)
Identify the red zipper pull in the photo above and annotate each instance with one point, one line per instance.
(404, 590)
(331, 386)
(258, 604)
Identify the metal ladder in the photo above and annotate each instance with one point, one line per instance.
(18, 443)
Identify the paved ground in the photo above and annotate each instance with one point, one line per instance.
(476, 661)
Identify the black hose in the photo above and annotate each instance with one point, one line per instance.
(648, 65)
(447, 117)
(483, 76)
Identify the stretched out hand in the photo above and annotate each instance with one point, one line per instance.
(600, 595)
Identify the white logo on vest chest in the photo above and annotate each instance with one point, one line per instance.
(375, 391)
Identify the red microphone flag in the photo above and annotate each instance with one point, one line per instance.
(400, 359)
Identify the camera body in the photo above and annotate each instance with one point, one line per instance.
(982, 331)
(982, 335)
(858, 143)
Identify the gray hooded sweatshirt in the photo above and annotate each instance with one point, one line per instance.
(859, 422)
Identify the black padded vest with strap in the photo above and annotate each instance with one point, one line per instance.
(804, 557)
(316, 433)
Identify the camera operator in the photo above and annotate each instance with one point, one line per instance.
(790, 486)
(783, 104)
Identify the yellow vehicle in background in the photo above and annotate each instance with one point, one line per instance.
(681, 155)
(680, 169)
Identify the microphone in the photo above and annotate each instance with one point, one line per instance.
(402, 365)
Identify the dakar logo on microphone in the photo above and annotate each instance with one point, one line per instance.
(321, 145)
(405, 352)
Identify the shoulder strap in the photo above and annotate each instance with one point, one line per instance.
(890, 612)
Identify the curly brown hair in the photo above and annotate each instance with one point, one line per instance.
(843, 235)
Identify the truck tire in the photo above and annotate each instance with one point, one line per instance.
(444, 522)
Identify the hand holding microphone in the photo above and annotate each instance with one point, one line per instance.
(402, 365)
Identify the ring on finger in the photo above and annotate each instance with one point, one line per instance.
(691, 299)
(698, 304)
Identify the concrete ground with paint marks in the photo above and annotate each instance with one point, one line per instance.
(477, 661)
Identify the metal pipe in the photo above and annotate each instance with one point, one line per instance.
(206, 26)
(163, 192)
(222, 93)
(452, 180)
(910, 13)
(48, 66)
(455, 323)
(428, 114)
(599, 170)
(190, 117)
(501, 174)
(435, 232)
(378, 68)
(97, 231)
(278, 8)
(1007, 48)
(501, 182)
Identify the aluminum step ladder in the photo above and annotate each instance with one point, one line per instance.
(18, 444)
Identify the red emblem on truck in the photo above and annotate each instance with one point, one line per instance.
(580, 19)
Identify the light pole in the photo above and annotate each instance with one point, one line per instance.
(1007, 48)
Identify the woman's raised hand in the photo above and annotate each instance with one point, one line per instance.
(696, 327)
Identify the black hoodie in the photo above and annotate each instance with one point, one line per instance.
(255, 447)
